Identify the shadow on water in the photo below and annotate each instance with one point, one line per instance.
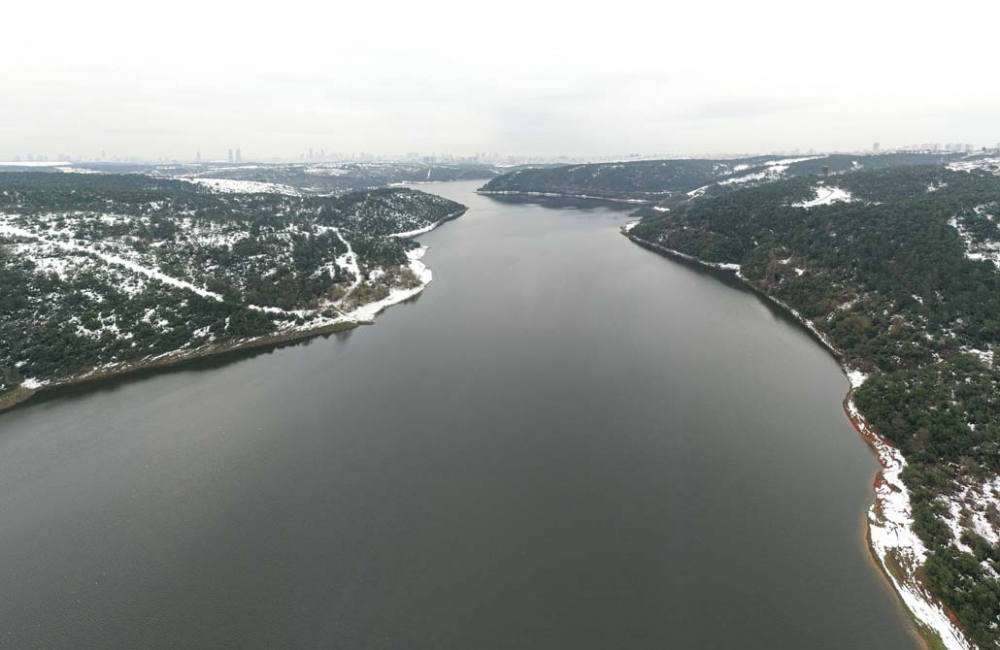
(730, 279)
(195, 364)
(557, 203)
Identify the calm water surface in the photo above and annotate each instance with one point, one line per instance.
(565, 442)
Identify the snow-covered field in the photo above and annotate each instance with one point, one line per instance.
(826, 195)
(985, 164)
(397, 295)
(244, 187)
(114, 260)
(773, 170)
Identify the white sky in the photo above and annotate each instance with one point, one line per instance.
(525, 77)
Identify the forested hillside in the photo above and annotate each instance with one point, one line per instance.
(101, 271)
(898, 269)
(670, 182)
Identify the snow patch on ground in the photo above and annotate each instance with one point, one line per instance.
(826, 196)
(369, 311)
(985, 164)
(426, 229)
(749, 178)
(6, 229)
(227, 186)
(890, 524)
(856, 377)
(986, 356)
(977, 251)
(969, 511)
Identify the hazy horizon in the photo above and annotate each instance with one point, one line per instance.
(518, 78)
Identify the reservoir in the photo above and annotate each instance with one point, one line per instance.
(566, 441)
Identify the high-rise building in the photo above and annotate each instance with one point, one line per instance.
(198, 157)
(239, 156)
(230, 156)
(876, 147)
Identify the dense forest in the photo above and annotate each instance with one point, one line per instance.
(99, 269)
(897, 267)
(670, 182)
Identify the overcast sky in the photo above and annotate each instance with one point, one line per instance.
(523, 77)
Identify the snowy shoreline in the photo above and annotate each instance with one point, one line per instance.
(891, 539)
(362, 315)
(422, 231)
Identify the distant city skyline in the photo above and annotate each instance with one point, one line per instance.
(234, 156)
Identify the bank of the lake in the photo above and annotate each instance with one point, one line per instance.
(889, 535)
(22, 394)
(565, 441)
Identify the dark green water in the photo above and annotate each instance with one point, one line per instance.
(566, 442)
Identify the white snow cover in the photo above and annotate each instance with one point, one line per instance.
(890, 525)
(856, 377)
(988, 164)
(774, 169)
(977, 251)
(426, 229)
(971, 502)
(111, 259)
(631, 224)
(77, 170)
(826, 196)
(758, 176)
(369, 311)
(227, 186)
(785, 162)
(349, 262)
(986, 356)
